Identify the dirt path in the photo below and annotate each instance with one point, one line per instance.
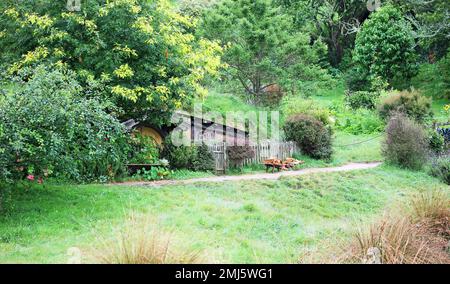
(265, 176)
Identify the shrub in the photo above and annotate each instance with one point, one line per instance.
(436, 141)
(357, 79)
(155, 173)
(237, 154)
(139, 242)
(181, 157)
(406, 143)
(204, 160)
(440, 168)
(434, 79)
(145, 150)
(412, 103)
(361, 99)
(48, 129)
(293, 105)
(361, 121)
(312, 137)
(196, 158)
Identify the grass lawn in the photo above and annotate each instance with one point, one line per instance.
(236, 222)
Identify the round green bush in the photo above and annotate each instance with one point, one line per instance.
(413, 104)
(311, 136)
(196, 158)
(49, 129)
(361, 99)
(179, 157)
(406, 143)
(204, 160)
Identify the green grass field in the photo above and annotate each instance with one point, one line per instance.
(237, 222)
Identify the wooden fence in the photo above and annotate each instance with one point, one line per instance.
(264, 150)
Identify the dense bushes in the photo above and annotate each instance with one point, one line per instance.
(361, 99)
(204, 160)
(406, 142)
(237, 154)
(440, 168)
(434, 79)
(361, 121)
(196, 158)
(310, 134)
(47, 129)
(292, 105)
(412, 103)
(144, 149)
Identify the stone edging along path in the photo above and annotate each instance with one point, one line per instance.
(258, 176)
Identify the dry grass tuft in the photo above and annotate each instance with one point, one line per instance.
(432, 209)
(417, 236)
(396, 240)
(140, 242)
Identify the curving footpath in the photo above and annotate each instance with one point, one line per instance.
(258, 176)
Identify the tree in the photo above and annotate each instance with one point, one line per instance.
(142, 51)
(385, 46)
(262, 47)
(334, 21)
(431, 25)
(48, 128)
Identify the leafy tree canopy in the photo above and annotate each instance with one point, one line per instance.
(385, 46)
(262, 48)
(142, 51)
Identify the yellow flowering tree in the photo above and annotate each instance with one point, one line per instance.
(143, 51)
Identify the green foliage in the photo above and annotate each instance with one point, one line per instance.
(384, 46)
(361, 99)
(49, 129)
(440, 168)
(329, 20)
(145, 150)
(181, 157)
(361, 121)
(412, 103)
(434, 79)
(292, 105)
(406, 143)
(431, 24)
(263, 48)
(155, 173)
(195, 8)
(204, 160)
(436, 141)
(196, 158)
(144, 52)
(311, 136)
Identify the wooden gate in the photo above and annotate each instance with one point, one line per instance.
(219, 152)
